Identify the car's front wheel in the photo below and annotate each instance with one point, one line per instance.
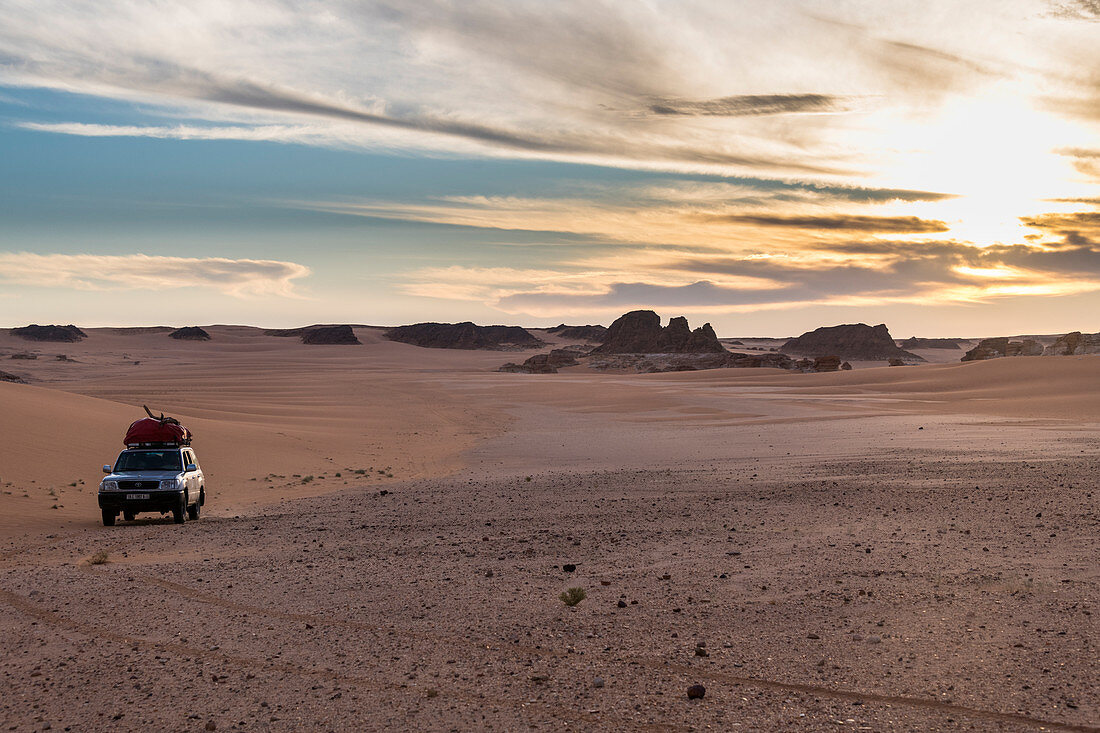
(109, 517)
(193, 511)
(179, 513)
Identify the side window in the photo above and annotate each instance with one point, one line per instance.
(188, 457)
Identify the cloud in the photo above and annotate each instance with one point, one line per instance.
(749, 105)
(1077, 10)
(269, 133)
(839, 222)
(239, 278)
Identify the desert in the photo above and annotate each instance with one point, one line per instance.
(390, 527)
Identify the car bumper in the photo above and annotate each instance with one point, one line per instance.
(158, 501)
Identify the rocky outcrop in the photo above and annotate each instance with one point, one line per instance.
(592, 334)
(464, 336)
(654, 363)
(827, 364)
(8, 377)
(996, 348)
(34, 332)
(1074, 344)
(921, 343)
(544, 363)
(329, 335)
(845, 367)
(856, 341)
(24, 356)
(190, 333)
(640, 332)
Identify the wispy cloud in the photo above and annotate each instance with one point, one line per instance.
(748, 105)
(839, 222)
(239, 278)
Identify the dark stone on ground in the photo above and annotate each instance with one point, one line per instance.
(595, 334)
(696, 692)
(568, 567)
(640, 332)
(330, 335)
(34, 332)
(543, 363)
(855, 341)
(190, 333)
(24, 356)
(464, 336)
(922, 343)
(8, 377)
(996, 348)
(846, 367)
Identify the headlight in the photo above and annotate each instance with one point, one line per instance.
(170, 484)
(109, 486)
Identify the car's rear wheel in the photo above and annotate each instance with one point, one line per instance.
(108, 517)
(129, 516)
(179, 513)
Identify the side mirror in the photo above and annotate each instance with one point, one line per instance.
(191, 468)
(106, 469)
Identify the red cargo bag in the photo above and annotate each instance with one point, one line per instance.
(157, 430)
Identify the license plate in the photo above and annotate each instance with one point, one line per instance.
(137, 497)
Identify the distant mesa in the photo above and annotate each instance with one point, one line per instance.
(854, 341)
(640, 332)
(190, 333)
(318, 334)
(28, 356)
(464, 336)
(544, 363)
(996, 348)
(592, 334)
(1074, 344)
(9, 377)
(330, 335)
(922, 343)
(34, 332)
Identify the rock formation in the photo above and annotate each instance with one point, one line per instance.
(996, 348)
(921, 343)
(1073, 344)
(464, 336)
(856, 341)
(329, 335)
(544, 363)
(640, 332)
(190, 333)
(34, 332)
(595, 334)
(8, 377)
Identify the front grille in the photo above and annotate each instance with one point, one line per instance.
(138, 485)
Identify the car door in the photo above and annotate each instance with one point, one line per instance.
(189, 477)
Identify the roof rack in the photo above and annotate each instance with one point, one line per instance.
(179, 444)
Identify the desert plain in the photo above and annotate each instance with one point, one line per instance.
(389, 529)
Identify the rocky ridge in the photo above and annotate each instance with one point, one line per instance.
(65, 334)
(853, 341)
(640, 332)
(190, 333)
(995, 348)
(464, 335)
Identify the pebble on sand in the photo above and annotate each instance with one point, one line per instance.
(696, 692)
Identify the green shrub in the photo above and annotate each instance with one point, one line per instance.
(573, 596)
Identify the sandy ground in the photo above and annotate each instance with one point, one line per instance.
(885, 549)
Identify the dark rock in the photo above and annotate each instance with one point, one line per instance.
(696, 692)
(8, 377)
(190, 333)
(569, 567)
(846, 367)
(640, 332)
(464, 336)
(855, 341)
(922, 343)
(34, 332)
(543, 363)
(996, 348)
(330, 335)
(621, 603)
(594, 334)
(24, 356)
(1073, 344)
(826, 363)
(701, 652)
(896, 362)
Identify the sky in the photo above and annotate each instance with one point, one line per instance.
(769, 167)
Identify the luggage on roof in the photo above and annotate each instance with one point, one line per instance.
(156, 431)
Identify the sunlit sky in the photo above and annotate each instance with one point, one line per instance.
(769, 167)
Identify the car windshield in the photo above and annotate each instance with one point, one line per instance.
(149, 460)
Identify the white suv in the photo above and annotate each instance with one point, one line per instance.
(153, 480)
